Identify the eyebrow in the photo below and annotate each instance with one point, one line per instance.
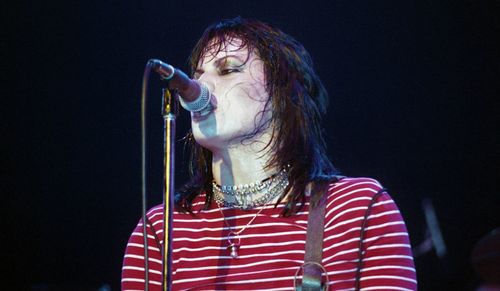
(221, 60)
(224, 58)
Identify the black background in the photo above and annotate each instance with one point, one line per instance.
(413, 87)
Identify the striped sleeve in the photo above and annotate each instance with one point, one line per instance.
(387, 262)
(133, 278)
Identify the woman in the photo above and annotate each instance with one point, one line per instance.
(257, 162)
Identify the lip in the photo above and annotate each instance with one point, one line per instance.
(198, 117)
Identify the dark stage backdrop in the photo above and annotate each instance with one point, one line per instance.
(412, 85)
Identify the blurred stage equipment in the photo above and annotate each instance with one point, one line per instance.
(434, 238)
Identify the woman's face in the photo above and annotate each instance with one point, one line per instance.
(236, 79)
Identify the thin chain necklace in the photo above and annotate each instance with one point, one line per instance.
(244, 198)
(233, 237)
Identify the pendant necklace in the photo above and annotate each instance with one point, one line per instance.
(233, 237)
(243, 197)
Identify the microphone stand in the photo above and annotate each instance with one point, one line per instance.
(169, 112)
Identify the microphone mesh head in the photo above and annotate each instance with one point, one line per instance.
(201, 104)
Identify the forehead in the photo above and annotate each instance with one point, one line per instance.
(220, 48)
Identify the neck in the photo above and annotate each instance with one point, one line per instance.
(241, 164)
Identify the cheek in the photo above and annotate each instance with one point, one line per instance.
(248, 114)
(259, 92)
(251, 91)
(245, 102)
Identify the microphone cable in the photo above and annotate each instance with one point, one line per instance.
(144, 92)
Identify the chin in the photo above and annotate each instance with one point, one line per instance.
(213, 140)
(208, 139)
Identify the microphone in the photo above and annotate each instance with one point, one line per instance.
(195, 96)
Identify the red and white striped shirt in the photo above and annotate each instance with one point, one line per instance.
(272, 247)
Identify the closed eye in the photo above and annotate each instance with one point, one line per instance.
(227, 71)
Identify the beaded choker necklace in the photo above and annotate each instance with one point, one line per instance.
(251, 195)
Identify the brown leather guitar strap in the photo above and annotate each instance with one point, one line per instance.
(312, 267)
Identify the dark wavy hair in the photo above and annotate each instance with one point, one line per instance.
(298, 100)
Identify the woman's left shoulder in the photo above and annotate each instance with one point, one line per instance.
(358, 192)
(354, 187)
(351, 201)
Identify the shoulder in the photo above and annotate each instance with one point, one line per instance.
(356, 203)
(155, 214)
(350, 198)
(349, 187)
